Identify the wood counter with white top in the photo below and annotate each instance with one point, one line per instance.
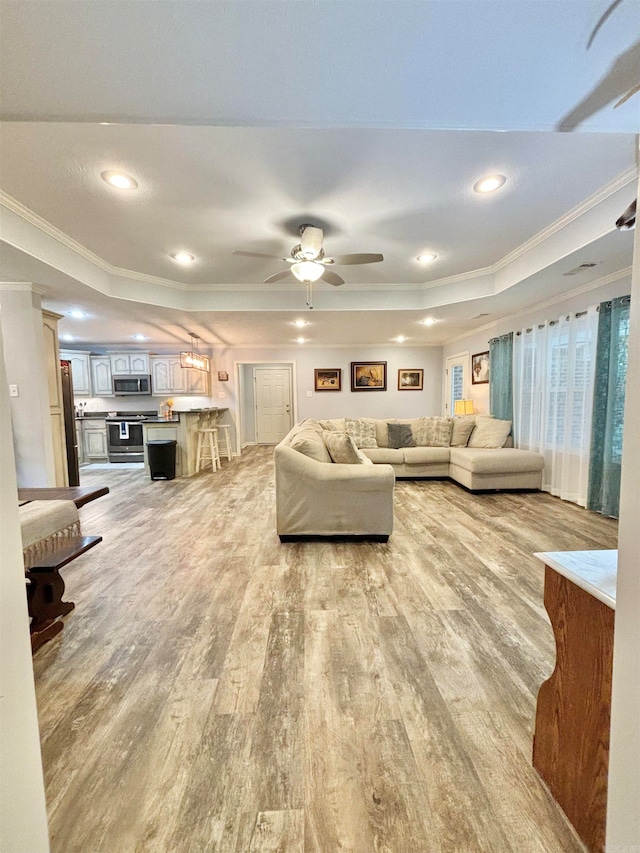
(571, 740)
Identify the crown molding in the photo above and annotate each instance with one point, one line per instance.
(24, 286)
(561, 297)
(625, 178)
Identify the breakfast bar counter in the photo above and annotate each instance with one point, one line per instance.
(182, 427)
(571, 740)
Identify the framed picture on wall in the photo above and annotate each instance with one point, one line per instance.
(327, 378)
(480, 368)
(368, 375)
(410, 379)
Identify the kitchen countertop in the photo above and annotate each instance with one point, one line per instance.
(593, 571)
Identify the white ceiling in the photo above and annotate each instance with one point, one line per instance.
(323, 112)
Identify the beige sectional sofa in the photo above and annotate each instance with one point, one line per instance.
(315, 496)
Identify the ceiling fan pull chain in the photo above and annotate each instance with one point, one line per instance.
(309, 294)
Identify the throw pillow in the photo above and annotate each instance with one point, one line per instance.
(363, 432)
(489, 432)
(462, 429)
(400, 435)
(433, 432)
(341, 448)
(310, 443)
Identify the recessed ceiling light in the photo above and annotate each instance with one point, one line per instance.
(184, 258)
(67, 337)
(77, 315)
(426, 257)
(300, 323)
(120, 180)
(300, 340)
(400, 339)
(428, 321)
(140, 337)
(489, 184)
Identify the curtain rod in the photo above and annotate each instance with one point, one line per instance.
(622, 300)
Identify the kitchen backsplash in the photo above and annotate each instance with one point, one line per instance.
(144, 403)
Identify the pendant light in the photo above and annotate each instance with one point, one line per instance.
(192, 359)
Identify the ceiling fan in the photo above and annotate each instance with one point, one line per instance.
(308, 262)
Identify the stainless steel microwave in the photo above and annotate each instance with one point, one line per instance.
(124, 386)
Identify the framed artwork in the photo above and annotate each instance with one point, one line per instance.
(480, 368)
(368, 375)
(328, 378)
(410, 379)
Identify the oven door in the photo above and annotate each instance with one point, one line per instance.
(125, 442)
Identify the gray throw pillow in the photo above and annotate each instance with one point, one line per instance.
(400, 435)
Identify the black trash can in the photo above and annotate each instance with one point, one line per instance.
(162, 459)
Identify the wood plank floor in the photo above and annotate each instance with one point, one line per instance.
(215, 690)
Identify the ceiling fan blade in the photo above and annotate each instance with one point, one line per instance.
(332, 278)
(277, 276)
(355, 259)
(259, 255)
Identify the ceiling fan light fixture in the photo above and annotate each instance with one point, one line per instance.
(489, 184)
(307, 271)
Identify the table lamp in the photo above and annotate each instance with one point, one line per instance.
(463, 407)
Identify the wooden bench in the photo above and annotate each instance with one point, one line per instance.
(45, 588)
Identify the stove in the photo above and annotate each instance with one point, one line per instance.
(124, 437)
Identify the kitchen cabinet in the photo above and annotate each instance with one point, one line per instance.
(167, 376)
(79, 442)
(80, 371)
(100, 366)
(95, 440)
(170, 378)
(54, 383)
(129, 363)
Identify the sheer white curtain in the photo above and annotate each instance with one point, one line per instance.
(553, 374)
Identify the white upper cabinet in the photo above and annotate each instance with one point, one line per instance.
(129, 363)
(80, 372)
(167, 376)
(198, 382)
(101, 376)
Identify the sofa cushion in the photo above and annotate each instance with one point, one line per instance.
(504, 460)
(362, 431)
(309, 442)
(433, 432)
(382, 431)
(400, 435)
(333, 424)
(384, 454)
(462, 429)
(311, 423)
(341, 448)
(425, 455)
(489, 432)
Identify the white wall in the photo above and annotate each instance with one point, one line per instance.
(479, 341)
(329, 404)
(23, 818)
(623, 817)
(25, 363)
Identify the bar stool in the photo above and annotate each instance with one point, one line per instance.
(225, 435)
(207, 449)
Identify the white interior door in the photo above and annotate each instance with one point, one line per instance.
(273, 403)
(456, 381)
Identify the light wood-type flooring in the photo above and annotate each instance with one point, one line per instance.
(216, 691)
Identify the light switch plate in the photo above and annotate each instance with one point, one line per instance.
(13, 391)
(309, 393)
(221, 395)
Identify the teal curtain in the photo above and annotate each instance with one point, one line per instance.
(501, 384)
(608, 407)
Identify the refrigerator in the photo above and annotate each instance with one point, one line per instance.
(69, 412)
